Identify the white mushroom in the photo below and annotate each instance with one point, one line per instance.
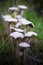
(24, 48)
(22, 7)
(29, 34)
(17, 29)
(8, 18)
(7, 21)
(26, 22)
(16, 35)
(14, 9)
(23, 21)
(24, 45)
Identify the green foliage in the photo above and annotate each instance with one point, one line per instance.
(37, 20)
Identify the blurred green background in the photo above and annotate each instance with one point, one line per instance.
(33, 14)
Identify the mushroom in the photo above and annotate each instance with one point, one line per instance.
(8, 18)
(23, 21)
(26, 23)
(14, 10)
(17, 29)
(17, 36)
(29, 35)
(24, 47)
(22, 8)
(7, 21)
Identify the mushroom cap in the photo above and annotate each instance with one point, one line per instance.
(31, 33)
(6, 16)
(9, 18)
(23, 7)
(24, 45)
(16, 35)
(26, 22)
(23, 21)
(17, 29)
(13, 9)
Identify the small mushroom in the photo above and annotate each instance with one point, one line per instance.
(9, 18)
(26, 23)
(24, 47)
(29, 35)
(23, 21)
(7, 21)
(14, 10)
(16, 35)
(22, 8)
(17, 29)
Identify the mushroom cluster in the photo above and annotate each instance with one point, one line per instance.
(18, 33)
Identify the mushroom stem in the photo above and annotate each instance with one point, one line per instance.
(22, 12)
(25, 30)
(29, 41)
(25, 55)
(17, 49)
(15, 14)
